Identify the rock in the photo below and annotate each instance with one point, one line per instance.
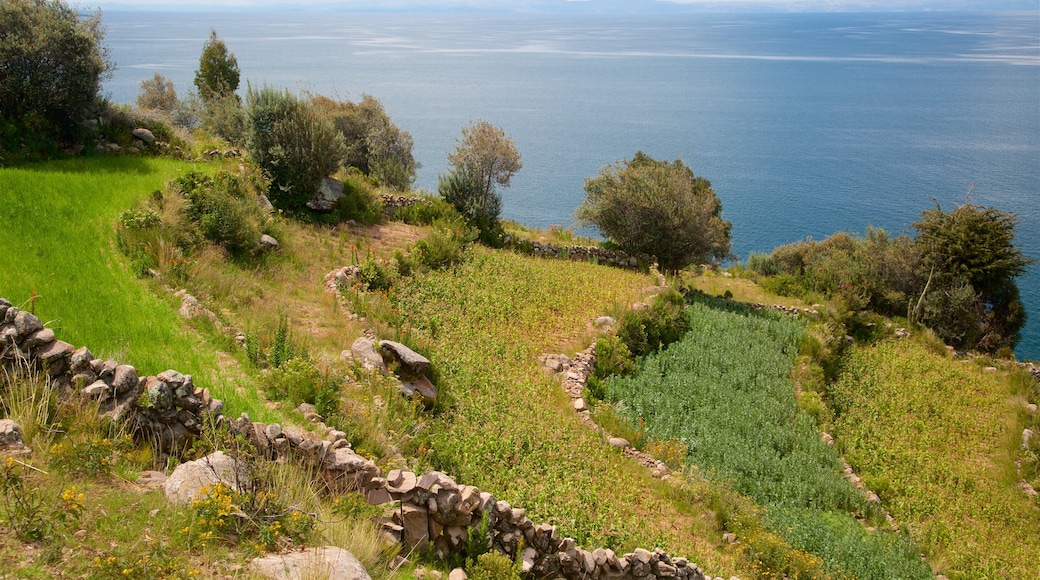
(96, 391)
(39, 338)
(268, 243)
(26, 323)
(423, 387)
(458, 574)
(329, 193)
(144, 135)
(1027, 435)
(619, 442)
(11, 438)
(605, 322)
(364, 351)
(579, 405)
(265, 204)
(151, 479)
(189, 478)
(124, 379)
(401, 482)
(55, 357)
(413, 363)
(322, 563)
(416, 527)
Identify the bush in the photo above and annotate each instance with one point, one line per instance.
(225, 208)
(650, 330)
(52, 62)
(466, 195)
(157, 94)
(613, 357)
(359, 202)
(429, 210)
(493, 566)
(657, 208)
(293, 143)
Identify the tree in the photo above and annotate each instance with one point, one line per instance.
(375, 145)
(293, 143)
(485, 157)
(52, 62)
(657, 208)
(157, 94)
(217, 75)
(973, 247)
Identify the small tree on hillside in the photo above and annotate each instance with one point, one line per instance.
(657, 208)
(973, 260)
(217, 75)
(484, 158)
(52, 62)
(157, 94)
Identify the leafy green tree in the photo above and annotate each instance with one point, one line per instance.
(52, 62)
(293, 143)
(217, 75)
(484, 158)
(157, 94)
(375, 145)
(658, 208)
(973, 246)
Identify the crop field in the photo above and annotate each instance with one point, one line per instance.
(725, 392)
(934, 438)
(510, 429)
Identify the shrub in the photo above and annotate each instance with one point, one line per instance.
(493, 566)
(225, 208)
(613, 357)
(157, 94)
(428, 211)
(293, 142)
(649, 330)
(359, 202)
(52, 62)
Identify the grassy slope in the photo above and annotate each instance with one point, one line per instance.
(511, 430)
(932, 437)
(57, 241)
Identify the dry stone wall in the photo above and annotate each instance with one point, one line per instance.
(423, 511)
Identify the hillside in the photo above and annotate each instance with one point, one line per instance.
(499, 422)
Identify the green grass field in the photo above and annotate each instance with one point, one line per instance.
(58, 245)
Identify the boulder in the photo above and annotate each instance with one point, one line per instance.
(605, 323)
(26, 323)
(144, 135)
(329, 193)
(321, 563)
(265, 204)
(11, 438)
(411, 363)
(189, 478)
(364, 351)
(268, 243)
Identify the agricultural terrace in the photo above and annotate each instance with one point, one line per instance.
(724, 391)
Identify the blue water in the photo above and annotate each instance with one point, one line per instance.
(806, 124)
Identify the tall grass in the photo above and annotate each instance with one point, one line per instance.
(931, 436)
(725, 392)
(59, 256)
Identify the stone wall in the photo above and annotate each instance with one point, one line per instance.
(422, 511)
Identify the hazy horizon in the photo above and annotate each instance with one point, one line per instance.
(620, 7)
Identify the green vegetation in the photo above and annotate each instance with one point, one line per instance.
(957, 275)
(52, 61)
(484, 157)
(657, 208)
(936, 439)
(724, 392)
(217, 76)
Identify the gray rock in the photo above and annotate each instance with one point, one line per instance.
(423, 387)
(458, 574)
(26, 323)
(364, 351)
(579, 405)
(189, 478)
(124, 379)
(605, 322)
(619, 442)
(39, 338)
(144, 135)
(265, 203)
(96, 391)
(412, 363)
(329, 193)
(268, 243)
(11, 437)
(322, 563)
